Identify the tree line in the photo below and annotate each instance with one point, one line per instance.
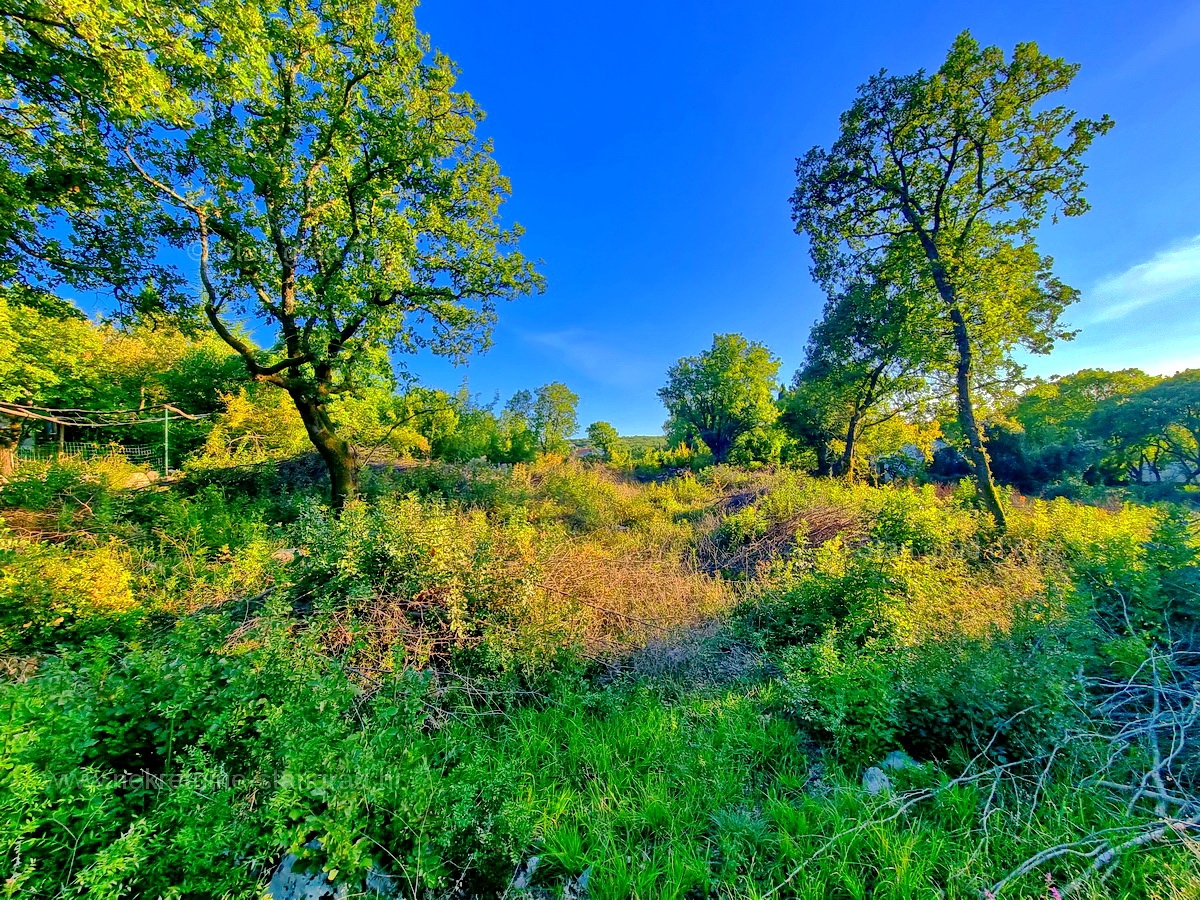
(324, 176)
(1093, 427)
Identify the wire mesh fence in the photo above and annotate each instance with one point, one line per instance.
(136, 453)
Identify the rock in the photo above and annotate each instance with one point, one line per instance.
(381, 883)
(898, 761)
(309, 883)
(523, 876)
(875, 782)
(297, 879)
(576, 888)
(139, 480)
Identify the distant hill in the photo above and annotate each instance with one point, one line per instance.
(635, 442)
(642, 442)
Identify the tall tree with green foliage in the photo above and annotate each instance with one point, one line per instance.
(1161, 424)
(604, 437)
(553, 417)
(868, 359)
(330, 183)
(723, 393)
(955, 170)
(814, 417)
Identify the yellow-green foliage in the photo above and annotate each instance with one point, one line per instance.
(478, 664)
(47, 593)
(257, 425)
(69, 482)
(424, 580)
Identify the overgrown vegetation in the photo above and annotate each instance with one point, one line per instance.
(672, 686)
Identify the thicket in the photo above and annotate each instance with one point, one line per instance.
(663, 689)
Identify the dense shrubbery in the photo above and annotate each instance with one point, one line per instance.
(474, 665)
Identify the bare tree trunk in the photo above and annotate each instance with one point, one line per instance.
(824, 466)
(718, 444)
(976, 454)
(339, 455)
(864, 403)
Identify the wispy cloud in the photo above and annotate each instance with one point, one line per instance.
(595, 355)
(1170, 275)
(1173, 35)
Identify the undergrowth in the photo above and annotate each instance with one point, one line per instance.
(477, 665)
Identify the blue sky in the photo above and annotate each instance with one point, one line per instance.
(651, 146)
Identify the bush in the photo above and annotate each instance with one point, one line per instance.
(66, 482)
(50, 596)
(1014, 694)
(439, 682)
(845, 696)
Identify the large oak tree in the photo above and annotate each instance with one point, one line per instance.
(315, 161)
(956, 168)
(337, 190)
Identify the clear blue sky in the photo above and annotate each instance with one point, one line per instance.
(651, 147)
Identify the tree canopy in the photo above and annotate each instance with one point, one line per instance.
(553, 417)
(723, 393)
(954, 170)
(1058, 409)
(1161, 424)
(868, 360)
(329, 181)
(73, 76)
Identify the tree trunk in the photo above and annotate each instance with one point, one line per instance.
(10, 441)
(824, 466)
(864, 403)
(846, 465)
(718, 445)
(339, 455)
(976, 454)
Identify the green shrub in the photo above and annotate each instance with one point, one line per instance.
(51, 596)
(1137, 579)
(439, 683)
(580, 498)
(845, 696)
(434, 581)
(1015, 694)
(837, 591)
(66, 482)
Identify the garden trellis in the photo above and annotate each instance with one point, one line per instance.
(104, 418)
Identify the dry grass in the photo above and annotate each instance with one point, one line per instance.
(34, 525)
(617, 602)
(811, 528)
(955, 600)
(18, 668)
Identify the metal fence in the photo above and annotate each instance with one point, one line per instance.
(138, 453)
